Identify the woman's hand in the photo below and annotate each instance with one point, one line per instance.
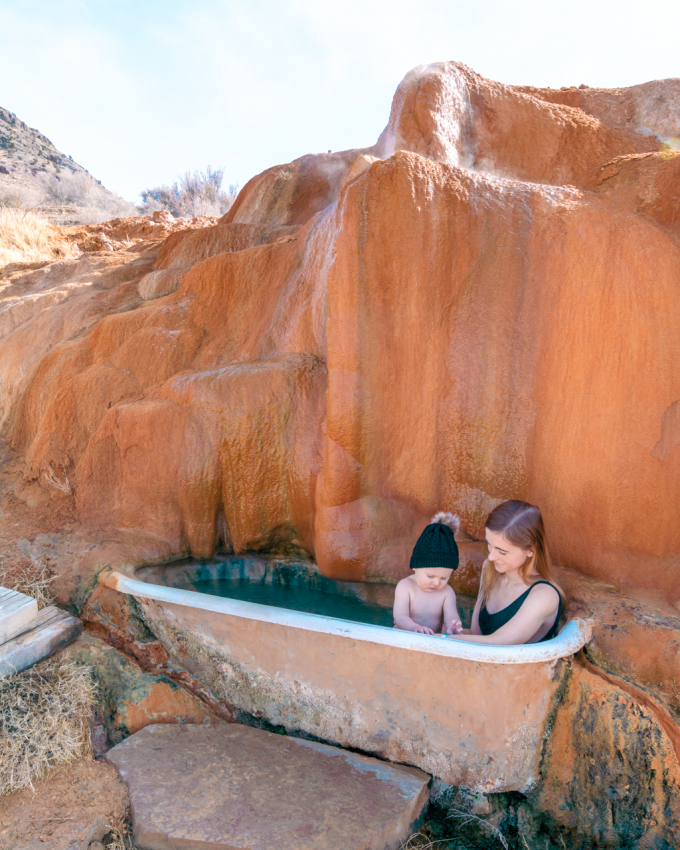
(453, 627)
(542, 604)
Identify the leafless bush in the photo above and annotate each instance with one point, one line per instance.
(196, 193)
(91, 201)
(44, 720)
(77, 189)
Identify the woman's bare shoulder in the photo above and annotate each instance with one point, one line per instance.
(546, 593)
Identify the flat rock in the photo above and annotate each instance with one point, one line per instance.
(231, 786)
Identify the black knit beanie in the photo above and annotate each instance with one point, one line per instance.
(436, 546)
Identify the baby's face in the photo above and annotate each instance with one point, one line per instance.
(431, 579)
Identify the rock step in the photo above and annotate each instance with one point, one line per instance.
(231, 786)
(16, 613)
(51, 630)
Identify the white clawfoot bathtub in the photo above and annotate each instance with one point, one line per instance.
(471, 714)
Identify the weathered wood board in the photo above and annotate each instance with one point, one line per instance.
(51, 630)
(17, 611)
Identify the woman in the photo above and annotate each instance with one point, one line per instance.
(518, 601)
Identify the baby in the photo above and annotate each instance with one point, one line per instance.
(424, 602)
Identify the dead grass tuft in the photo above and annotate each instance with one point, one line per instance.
(44, 720)
(465, 817)
(27, 238)
(33, 580)
(421, 841)
(117, 840)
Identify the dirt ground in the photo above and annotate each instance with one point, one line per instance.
(71, 807)
(28, 510)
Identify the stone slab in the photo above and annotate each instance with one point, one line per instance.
(17, 610)
(50, 631)
(231, 786)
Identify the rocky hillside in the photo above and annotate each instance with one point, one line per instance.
(33, 173)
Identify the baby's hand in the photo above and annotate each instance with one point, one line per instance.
(454, 627)
(423, 630)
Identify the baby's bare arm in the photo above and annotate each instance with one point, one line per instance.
(402, 611)
(452, 624)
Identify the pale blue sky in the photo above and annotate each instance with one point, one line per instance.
(138, 92)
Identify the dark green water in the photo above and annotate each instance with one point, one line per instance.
(297, 598)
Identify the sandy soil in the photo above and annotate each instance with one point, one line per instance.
(71, 807)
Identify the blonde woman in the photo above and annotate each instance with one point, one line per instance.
(519, 600)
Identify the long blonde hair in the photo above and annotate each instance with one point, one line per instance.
(522, 525)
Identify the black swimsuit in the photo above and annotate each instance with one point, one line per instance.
(489, 623)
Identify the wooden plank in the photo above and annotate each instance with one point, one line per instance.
(17, 612)
(51, 630)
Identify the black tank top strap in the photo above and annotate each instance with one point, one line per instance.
(490, 623)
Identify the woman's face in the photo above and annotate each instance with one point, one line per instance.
(503, 554)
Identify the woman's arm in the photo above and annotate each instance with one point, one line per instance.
(402, 611)
(541, 603)
(474, 628)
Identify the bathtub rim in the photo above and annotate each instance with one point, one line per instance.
(571, 639)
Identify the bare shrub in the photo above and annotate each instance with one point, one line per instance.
(29, 238)
(44, 720)
(194, 194)
(84, 198)
(76, 189)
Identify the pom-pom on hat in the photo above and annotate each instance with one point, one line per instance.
(436, 546)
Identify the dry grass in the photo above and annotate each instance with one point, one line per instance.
(27, 238)
(44, 720)
(421, 841)
(33, 580)
(465, 817)
(53, 480)
(117, 840)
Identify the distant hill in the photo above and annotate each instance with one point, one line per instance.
(34, 174)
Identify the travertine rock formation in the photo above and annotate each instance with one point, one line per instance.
(483, 305)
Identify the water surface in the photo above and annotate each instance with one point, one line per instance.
(296, 598)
